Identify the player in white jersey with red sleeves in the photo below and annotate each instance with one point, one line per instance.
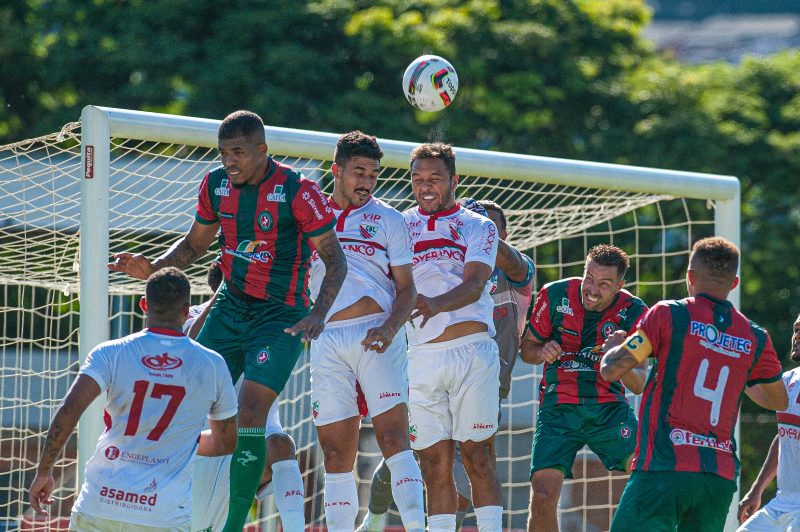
(783, 460)
(453, 363)
(363, 340)
(211, 474)
(161, 386)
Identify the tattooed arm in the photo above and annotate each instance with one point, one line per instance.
(327, 245)
(220, 439)
(83, 391)
(185, 251)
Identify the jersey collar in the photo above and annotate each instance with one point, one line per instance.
(441, 214)
(165, 332)
(345, 212)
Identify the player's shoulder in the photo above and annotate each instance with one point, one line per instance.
(791, 375)
(629, 300)
(561, 287)
(216, 176)
(387, 212)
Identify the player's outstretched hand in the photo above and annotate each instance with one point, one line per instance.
(134, 264)
(378, 338)
(749, 505)
(40, 491)
(425, 307)
(614, 339)
(551, 351)
(310, 327)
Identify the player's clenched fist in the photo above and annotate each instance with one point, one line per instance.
(134, 264)
(551, 351)
(614, 339)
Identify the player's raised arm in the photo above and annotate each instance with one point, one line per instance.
(330, 251)
(183, 252)
(81, 394)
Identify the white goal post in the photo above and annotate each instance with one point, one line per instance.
(138, 178)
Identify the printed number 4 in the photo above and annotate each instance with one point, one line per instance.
(176, 395)
(714, 395)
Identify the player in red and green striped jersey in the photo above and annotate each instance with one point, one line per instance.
(268, 216)
(707, 354)
(571, 319)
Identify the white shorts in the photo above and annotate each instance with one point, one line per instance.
(211, 481)
(338, 360)
(770, 520)
(453, 390)
(81, 522)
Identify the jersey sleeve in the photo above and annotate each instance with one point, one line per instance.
(652, 323)
(205, 212)
(635, 314)
(398, 246)
(225, 405)
(541, 326)
(767, 368)
(99, 366)
(482, 244)
(525, 285)
(311, 210)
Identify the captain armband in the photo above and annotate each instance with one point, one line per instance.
(638, 344)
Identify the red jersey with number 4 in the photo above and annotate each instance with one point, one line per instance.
(706, 352)
(558, 314)
(264, 230)
(161, 386)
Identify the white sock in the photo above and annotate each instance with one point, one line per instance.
(490, 518)
(407, 489)
(287, 485)
(341, 501)
(442, 522)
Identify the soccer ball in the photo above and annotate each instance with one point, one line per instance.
(430, 83)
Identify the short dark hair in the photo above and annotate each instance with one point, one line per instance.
(608, 255)
(436, 150)
(489, 205)
(242, 124)
(167, 292)
(214, 276)
(356, 144)
(717, 257)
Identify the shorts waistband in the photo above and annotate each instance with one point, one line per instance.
(355, 321)
(455, 342)
(238, 293)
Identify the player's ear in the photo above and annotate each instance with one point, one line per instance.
(335, 170)
(263, 149)
(735, 283)
(143, 304)
(186, 312)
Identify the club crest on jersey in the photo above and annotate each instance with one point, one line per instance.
(263, 357)
(368, 230)
(162, 362)
(223, 189)
(607, 329)
(251, 250)
(277, 194)
(455, 232)
(564, 307)
(265, 221)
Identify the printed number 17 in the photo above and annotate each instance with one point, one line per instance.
(176, 395)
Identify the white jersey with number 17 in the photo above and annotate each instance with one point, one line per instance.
(161, 386)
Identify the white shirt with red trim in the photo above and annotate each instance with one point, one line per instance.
(373, 238)
(161, 386)
(787, 499)
(442, 244)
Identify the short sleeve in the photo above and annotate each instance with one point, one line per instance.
(768, 367)
(653, 322)
(225, 405)
(540, 324)
(205, 212)
(311, 210)
(399, 242)
(98, 366)
(482, 243)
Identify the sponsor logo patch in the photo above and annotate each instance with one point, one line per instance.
(251, 251)
(223, 189)
(685, 437)
(161, 362)
(112, 453)
(246, 457)
(277, 194)
(564, 307)
(720, 342)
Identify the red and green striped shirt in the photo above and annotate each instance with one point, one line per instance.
(706, 352)
(558, 314)
(264, 230)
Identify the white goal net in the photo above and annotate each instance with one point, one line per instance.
(124, 180)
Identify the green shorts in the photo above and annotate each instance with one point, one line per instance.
(609, 429)
(673, 500)
(250, 337)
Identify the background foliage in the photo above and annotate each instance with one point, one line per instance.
(559, 78)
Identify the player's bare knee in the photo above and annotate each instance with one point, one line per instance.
(280, 447)
(545, 490)
(392, 442)
(478, 459)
